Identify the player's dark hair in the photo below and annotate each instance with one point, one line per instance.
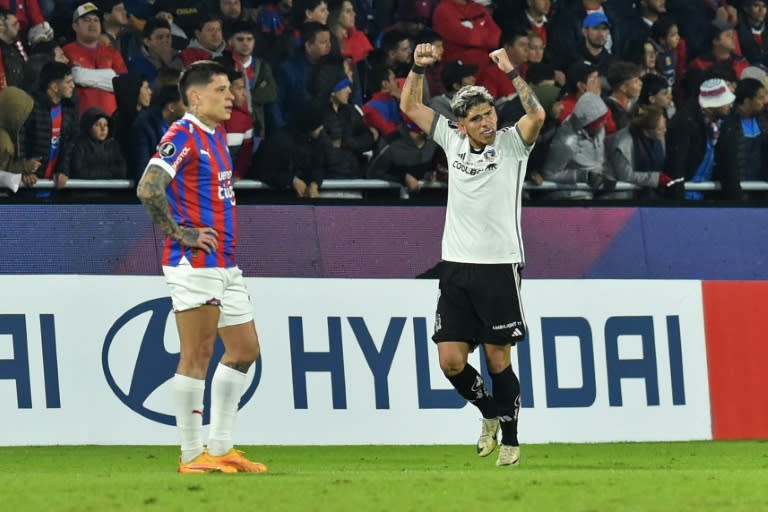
(199, 73)
(53, 72)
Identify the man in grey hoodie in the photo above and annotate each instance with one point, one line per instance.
(577, 153)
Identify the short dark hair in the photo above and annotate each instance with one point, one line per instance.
(661, 27)
(539, 71)
(391, 40)
(652, 85)
(376, 76)
(309, 31)
(206, 17)
(165, 95)
(153, 24)
(512, 36)
(621, 71)
(428, 36)
(199, 73)
(53, 72)
(747, 89)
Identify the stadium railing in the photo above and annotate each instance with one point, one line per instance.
(354, 188)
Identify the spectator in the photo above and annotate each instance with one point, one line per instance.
(94, 64)
(39, 55)
(114, 24)
(15, 107)
(133, 95)
(582, 77)
(314, 10)
(296, 156)
(456, 75)
(638, 27)
(568, 24)
(469, 32)
(152, 123)
(592, 48)
(353, 43)
(33, 27)
(239, 126)
(351, 138)
(274, 23)
(12, 60)
(666, 40)
(494, 80)
(156, 52)
(179, 38)
(548, 95)
(407, 159)
(186, 14)
(722, 39)
(52, 127)
(656, 91)
(637, 154)
(293, 75)
(626, 85)
(577, 153)
(742, 154)
(382, 111)
(96, 154)
(536, 12)
(693, 135)
(208, 42)
(411, 18)
(752, 33)
(394, 52)
(232, 13)
(261, 87)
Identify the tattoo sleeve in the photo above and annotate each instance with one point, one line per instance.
(415, 93)
(151, 193)
(527, 96)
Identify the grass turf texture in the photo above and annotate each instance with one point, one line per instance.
(695, 476)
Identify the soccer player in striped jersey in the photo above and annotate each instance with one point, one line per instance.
(482, 248)
(187, 191)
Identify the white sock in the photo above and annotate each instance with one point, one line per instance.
(188, 399)
(226, 390)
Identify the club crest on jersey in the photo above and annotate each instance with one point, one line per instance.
(167, 150)
(490, 154)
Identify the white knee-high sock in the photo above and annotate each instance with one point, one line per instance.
(188, 399)
(226, 390)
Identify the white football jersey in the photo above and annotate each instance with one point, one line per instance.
(482, 220)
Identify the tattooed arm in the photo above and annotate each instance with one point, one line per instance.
(151, 193)
(530, 124)
(411, 96)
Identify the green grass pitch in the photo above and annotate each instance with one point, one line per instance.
(691, 476)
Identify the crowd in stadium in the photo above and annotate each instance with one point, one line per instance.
(656, 93)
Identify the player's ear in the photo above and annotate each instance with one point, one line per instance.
(461, 127)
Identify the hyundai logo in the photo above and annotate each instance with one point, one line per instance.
(136, 366)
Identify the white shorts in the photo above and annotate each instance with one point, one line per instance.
(223, 287)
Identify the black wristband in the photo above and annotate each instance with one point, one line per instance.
(513, 74)
(419, 70)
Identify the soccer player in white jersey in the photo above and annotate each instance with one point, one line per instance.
(482, 249)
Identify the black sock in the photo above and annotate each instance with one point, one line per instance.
(506, 392)
(470, 385)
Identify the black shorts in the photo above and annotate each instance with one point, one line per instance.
(479, 303)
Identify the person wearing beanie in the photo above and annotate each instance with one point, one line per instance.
(693, 135)
(577, 153)
(350, 137)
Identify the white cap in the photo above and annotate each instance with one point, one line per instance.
(86, 8)
(715, 93)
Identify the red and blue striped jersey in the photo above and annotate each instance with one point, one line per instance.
(200, 193)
